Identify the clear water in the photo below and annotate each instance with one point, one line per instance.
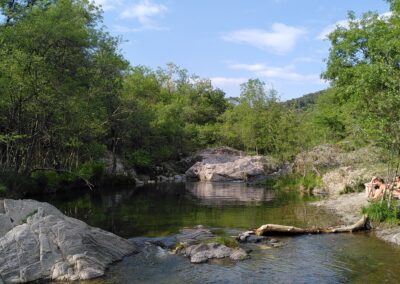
(161, 210)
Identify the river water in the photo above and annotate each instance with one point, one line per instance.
(161, 210)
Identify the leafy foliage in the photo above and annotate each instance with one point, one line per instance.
(382, 212)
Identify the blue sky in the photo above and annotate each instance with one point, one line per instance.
(280, 42)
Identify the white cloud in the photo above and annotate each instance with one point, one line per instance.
(328, 29)
(280, 39)
(107, 4)
(227, 81)
(344, 24)
(286, 73)
(144, 12)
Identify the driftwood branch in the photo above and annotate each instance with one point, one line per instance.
(87, 182)
(273, 229)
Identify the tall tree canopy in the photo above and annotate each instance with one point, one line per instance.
(59, 80)
(364, 68)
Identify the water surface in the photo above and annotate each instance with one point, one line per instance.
(161, 210)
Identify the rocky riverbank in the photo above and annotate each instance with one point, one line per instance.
(343, 172)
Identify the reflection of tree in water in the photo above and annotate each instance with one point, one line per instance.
(229, 193)
(163, 209)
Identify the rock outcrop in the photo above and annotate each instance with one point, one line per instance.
(227, 164)
(38, 242)
(199, 246)
(202, 252)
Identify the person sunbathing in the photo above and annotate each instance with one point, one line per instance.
(376, 188)
(396, 187)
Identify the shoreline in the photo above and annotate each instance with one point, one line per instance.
(348, 209)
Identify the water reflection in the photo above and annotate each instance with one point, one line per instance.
(229, 193)
(163, 209)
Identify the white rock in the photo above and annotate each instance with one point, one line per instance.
(226, 164)
(50, 245)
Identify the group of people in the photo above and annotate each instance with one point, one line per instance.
(377, 188)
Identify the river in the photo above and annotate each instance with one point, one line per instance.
(162, 209)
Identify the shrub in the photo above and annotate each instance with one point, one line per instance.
(295, 182)
(92, 170)
(3, 189)
(139, 158)
(18, 185)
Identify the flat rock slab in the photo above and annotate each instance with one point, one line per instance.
(42, 243)
(390, 235)
(347, 206)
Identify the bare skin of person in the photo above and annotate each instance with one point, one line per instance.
(376, 188)
(396, 188)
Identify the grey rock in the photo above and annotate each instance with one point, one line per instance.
(121, 167)
(227, 164)
(139, 182)
(190, 236)
(45, 244)
(200, 257)
(391, 235)
(243, 237)
(238, 254)
(179, 178)
(162, 178)
(201, 253)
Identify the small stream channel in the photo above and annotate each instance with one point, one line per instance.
(162, 209)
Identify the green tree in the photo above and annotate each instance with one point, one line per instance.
(363, 67)
(59, 76)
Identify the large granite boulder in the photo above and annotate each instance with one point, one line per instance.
(227, 164)
(38, 242)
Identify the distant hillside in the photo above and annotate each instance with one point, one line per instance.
(305, 101)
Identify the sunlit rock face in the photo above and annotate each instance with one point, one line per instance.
(225, 193)
(227, 164)
(42, 243)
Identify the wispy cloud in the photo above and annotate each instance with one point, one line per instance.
(344, 24)
(328, 29)
(280, 39)
(144, 12)
(227, 81)
(285, 73)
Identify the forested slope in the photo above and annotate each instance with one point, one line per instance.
(68, 97)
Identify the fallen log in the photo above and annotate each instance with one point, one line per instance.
(272, 229)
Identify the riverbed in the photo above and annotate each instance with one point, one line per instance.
(163, 209)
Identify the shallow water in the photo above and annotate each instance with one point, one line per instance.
(161, 210)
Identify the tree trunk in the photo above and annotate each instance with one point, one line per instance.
(273, 229)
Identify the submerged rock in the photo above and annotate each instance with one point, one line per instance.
(227, 164)
(42, 243)
(249, 237)
(197, 244)
(190, 236)
(202, 252)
